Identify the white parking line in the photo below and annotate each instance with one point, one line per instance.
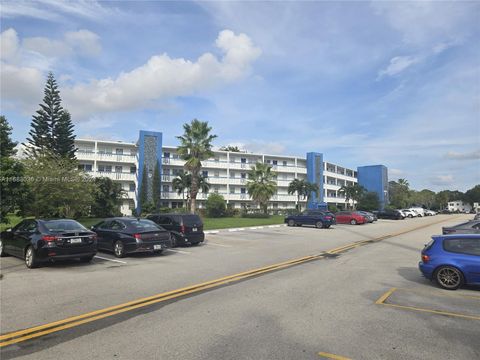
(212, 232)
(104, 258)
(215, 244)
(179, 251)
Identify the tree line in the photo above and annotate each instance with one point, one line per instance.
(47, 181)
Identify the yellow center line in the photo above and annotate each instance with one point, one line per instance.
(37, 331)
(332, 356)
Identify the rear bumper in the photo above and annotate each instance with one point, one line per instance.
(192, 238)
(56, 253)
(426, 270)
(148, 246)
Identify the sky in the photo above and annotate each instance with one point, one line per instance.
(365, 83)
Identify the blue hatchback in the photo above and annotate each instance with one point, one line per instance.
(452, 260)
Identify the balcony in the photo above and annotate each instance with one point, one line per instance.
(107, 157)
(173, 162)
(121, 176)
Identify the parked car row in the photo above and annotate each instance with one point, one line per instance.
(38, 240)
(325, 219)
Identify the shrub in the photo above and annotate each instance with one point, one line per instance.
(215, 205)
(332, 208)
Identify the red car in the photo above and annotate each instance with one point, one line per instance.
(350, 217)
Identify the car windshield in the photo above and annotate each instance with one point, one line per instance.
(143, 225)
(63, 225)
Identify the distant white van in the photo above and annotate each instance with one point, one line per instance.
(420, 211)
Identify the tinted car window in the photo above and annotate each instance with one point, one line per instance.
(117, 225)
(191, 220)
(63, 225)
(143, 225)
(462, 246)
(27, 226)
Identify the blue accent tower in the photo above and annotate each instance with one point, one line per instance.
(149, 155)
(375, 178)
(315, 176)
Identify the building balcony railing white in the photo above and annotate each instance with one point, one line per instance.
(125, 176)
(339, 176)
(108, 157)
(173, 162)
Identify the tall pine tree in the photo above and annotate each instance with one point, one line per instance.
(64, 138)
(52, 127)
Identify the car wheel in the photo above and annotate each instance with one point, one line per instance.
(327, 226)
(173, 239)
(319, 224)
(158, 252)
(86, 259)
(119, 249)
(30, 258)
(410, 216)
(2, 250)
(353, 222)
(291, 223)
(449, 277)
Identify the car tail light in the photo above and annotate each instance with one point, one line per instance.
(93, 237)
(137, 236)
(328, 217)
(182, 229)
(425, 258)
(49, 238)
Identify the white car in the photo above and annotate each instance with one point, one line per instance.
(409, 213)
(420, 211)
(430, 213)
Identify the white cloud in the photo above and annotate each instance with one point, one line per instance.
(395, 172)
(452, 155)
(163, 77)
(399, 64)
(57, 10)
(442, 180)
(8, 44)
(84, 42)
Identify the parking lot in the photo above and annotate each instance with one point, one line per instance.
(351, 292)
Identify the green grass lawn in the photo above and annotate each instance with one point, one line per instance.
(234, 222)
(209, 223)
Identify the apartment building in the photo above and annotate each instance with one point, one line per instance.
(227, 173)
(116, 160)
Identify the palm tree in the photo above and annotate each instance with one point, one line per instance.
(352, 192)
(404, 182)
(195, 146)
(260, 184)
(296, 186)
(181, 184)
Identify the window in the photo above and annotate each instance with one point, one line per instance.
(462, 246)
(275, 205)
(133, 169)
(205, 174)
(88, 167)
(131, 187)
(268, 161)
(215, 189)
(217, 159)
(101, 168)
(166, 155)
(117, 225)
(243, 190)
(232, 175)
(119, 151)
(243, 160)
(216, 174)
(118, 169)
(275, 162)
(232, 190)
(284, 163)
(243, 175)
(165, 188)
(27, 226)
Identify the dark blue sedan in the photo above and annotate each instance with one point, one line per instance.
(318, 218)
(452, 260)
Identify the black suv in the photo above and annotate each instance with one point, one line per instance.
(186, 229)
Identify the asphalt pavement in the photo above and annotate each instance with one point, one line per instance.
(353, 292)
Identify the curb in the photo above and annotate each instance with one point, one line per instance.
(243, 228)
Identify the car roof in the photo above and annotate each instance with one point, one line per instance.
(456, 236)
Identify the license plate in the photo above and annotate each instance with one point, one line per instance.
(194, 229)
(75, 241)
(157, 247)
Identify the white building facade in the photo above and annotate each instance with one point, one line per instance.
(227, 173)
(459, 205)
